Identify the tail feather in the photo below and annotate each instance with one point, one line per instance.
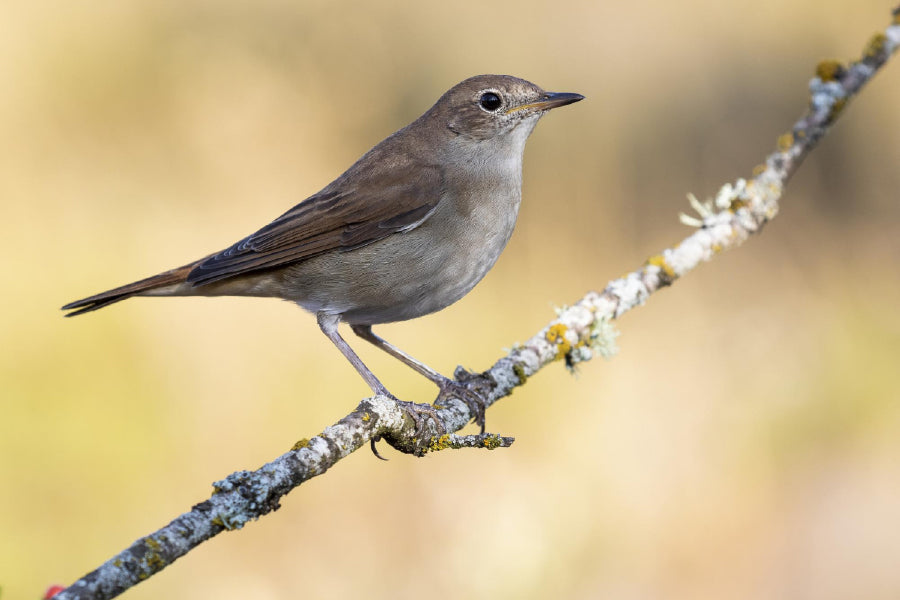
(108, 297)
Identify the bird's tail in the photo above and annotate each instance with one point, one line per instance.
(157, 283)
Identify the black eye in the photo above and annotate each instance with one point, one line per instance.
(490, 101)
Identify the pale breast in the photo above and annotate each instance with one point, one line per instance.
(427, 268)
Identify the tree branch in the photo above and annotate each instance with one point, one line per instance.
(576, 335)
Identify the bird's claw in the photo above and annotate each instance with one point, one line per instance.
(420, 414)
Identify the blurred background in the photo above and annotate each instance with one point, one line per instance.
(745, 443)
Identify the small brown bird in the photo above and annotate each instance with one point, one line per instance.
(406, 231)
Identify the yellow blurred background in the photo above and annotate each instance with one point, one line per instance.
(745, 443)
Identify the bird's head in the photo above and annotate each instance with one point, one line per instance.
(490, 106)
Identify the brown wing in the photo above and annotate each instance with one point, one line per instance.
(351, 212)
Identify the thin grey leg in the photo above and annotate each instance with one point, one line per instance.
(418, 412)
(329, 326)
(448, 387)
(366, 333)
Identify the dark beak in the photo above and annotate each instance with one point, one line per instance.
(555, 99)
(550, 100)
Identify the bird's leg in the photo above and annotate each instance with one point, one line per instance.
(448, 387)
(418, 412)
(329, 326)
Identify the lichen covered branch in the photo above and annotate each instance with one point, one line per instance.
(738, 211)
(577, 334)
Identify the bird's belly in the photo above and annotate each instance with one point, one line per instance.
(405, 275)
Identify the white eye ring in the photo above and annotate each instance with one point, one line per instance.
(490, 101)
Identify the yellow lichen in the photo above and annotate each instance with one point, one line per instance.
(439, 443)
(759, 170)
(492, 442)
(737, 204)
(302, 443)
(152, 559)
(155, 562)
(660, 261)
(785, 141)
(830, 70)
(875, 45)
(837, 108)
(519, 370)
(366, 417)
(556, 334)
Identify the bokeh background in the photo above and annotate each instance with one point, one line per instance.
(745, 443)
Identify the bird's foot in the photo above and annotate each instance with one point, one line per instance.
(475, 401)
(420, 414)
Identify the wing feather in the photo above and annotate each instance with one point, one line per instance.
(357, 209)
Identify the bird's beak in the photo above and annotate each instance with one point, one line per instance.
(550, 100)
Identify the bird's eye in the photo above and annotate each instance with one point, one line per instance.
(490, 101)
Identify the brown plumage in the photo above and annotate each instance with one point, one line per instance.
(407, 230)
(166, 279)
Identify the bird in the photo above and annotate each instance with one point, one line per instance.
(407, 230)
